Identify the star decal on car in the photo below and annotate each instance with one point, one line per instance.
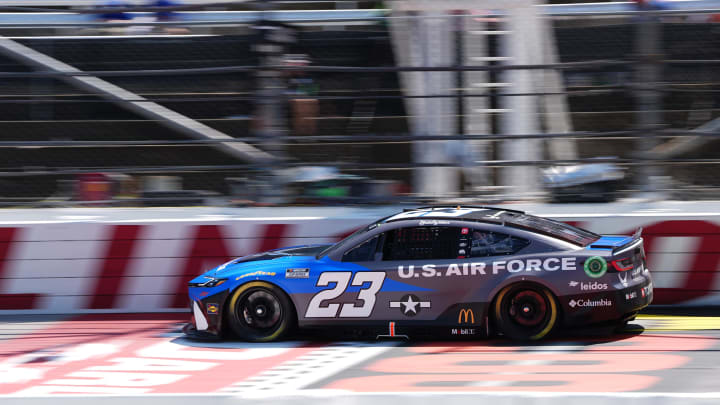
(410, 305)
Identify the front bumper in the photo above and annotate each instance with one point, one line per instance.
(207, 313)
(191, 331)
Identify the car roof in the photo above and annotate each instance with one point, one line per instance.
(456, 212)
(498, 216)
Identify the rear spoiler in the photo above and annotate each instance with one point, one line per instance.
(636, 241)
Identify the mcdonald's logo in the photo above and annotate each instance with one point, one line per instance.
(465, 314)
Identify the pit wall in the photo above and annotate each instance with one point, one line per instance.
(105, 260)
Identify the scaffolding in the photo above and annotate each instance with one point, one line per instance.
(423, 36)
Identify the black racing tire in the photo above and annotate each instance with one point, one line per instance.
(260, 312)
(526, 312)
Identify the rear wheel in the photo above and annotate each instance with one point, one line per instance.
(526, 311)
(260, 312)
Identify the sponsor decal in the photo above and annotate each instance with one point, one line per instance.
(595, 267)
(466, 315)
(370, 282)
(204, 293)
(481, 268)
(603, 302)
(631, 295)
(623, 278)
(465, 231)
(446, 213)
(433, 222)
(297, 273)
(462, 331)
(212, 308)
(594, 286)
(410, 305)
(256, 273)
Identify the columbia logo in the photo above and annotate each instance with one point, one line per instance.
(572, 303)
(574, 283)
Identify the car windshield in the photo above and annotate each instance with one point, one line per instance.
(343, 242)
(556, 229)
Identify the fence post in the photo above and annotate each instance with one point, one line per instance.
(648, 98)
(269, 122)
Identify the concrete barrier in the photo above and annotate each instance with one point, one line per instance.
(139, 260)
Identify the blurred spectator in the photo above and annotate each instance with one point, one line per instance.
(303, 108)
(648, 5)
(167, 15)
(651, 5)
(163, 16)
(119, 15)
(108, 15)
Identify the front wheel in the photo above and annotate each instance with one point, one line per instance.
(526, 312)
(260, 312)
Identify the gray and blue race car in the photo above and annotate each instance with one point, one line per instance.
(455, 271)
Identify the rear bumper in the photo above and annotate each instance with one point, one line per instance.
(617, 305)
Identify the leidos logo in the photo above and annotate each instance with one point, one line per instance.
(594, 286)
(465, 315)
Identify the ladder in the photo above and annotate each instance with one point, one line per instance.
(479, 115)
(525, 37)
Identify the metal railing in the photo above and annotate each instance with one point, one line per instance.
(380, 153)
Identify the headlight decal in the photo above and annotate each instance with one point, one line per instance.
(210, 283)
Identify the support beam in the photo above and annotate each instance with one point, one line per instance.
(429, 42)
(132, 101)
(680, 145)
(476, 110)
(522, 117)
(648, 37)
(554, 107)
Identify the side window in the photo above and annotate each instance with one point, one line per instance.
(486, 243)
(422, 242)
(364, 252)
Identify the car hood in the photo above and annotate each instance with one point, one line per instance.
(263, 259)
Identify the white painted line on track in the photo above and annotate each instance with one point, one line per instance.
(309, 369)
(320, 393)
(520, 394)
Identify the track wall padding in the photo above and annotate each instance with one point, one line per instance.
(140, 260)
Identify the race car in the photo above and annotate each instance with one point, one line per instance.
(457, 271)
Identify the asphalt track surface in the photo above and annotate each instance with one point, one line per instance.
(142, 358)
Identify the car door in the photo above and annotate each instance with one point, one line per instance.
(413, 273)
(348, 289)
(412, 259)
